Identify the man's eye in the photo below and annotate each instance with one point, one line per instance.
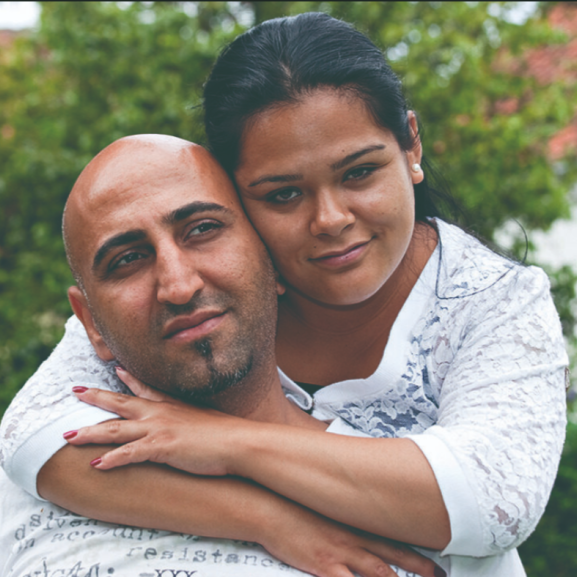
(127, 259)
(203, 228)
(285, 195)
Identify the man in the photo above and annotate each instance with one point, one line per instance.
(174, 284)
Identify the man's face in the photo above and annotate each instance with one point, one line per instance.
(177, 282)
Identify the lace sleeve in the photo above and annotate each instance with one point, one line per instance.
(502, 405)
(32, 427)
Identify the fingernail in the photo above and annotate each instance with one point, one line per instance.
(119, 369)
(439, 572)
(96, 462)
(79, 389)
(70, 435)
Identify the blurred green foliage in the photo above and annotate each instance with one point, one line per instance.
(551, 549)
(96, 71)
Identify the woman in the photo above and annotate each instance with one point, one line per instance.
(402, 325)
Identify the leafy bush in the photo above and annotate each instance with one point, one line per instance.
(551, 549)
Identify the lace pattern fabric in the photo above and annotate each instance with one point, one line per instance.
(494, 388)
(47, 396)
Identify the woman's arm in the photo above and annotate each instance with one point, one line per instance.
(384, 486)
(502, 410)
(155, 496)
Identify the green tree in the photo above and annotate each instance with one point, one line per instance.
(551, 549)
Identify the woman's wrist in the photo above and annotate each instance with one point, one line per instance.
(247, 445)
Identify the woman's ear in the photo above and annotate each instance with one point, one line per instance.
(80, 307)
(415, 155)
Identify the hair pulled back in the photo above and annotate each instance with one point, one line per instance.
(281, 61)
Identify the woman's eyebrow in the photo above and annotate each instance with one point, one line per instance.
(352, 157)
(277, 178)
(336, 166)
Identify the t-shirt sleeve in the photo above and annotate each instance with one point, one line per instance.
(45, 408)
(496, 446)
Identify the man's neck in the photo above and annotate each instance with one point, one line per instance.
(260, 397)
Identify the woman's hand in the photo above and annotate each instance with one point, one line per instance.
(157, 428)
(327, 549)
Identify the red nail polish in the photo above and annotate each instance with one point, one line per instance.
(70, 435)
(79, 389)
(96, 462)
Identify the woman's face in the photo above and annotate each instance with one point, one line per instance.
(331, 194)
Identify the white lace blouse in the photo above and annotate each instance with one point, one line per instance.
(474, 373)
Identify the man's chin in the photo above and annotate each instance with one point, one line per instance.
(219, 382)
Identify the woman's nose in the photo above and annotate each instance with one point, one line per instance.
(331, 215)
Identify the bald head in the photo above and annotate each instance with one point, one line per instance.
(175, 284)
(130, 166)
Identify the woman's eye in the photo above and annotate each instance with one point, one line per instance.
(283, 196)
(359, 173)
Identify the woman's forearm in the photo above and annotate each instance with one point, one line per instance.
(385, 486)
(158, 497)
(154, 496)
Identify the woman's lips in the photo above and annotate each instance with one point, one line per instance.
(335, 259)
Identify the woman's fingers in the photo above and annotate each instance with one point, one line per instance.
(348, 571)
(112, 432)
(136, 446)
(140, 389)
(404, 557)
(158, 431)
(124, 455)
(371, 566)
(126, 406)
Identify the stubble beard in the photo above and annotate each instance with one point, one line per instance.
(194, 380)
(205, 375)
(219, 380)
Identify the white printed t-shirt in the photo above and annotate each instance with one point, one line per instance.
(39, 539)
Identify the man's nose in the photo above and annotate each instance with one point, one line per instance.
(178, 279)
(331, 214)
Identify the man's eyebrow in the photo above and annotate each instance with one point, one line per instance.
(114, 241)
(352, 157)
(139, 234)
(192, 208)
(277, 178)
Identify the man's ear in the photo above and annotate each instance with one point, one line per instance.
(280, 288)
(79, 305)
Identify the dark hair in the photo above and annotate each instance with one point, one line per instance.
(283, 59)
